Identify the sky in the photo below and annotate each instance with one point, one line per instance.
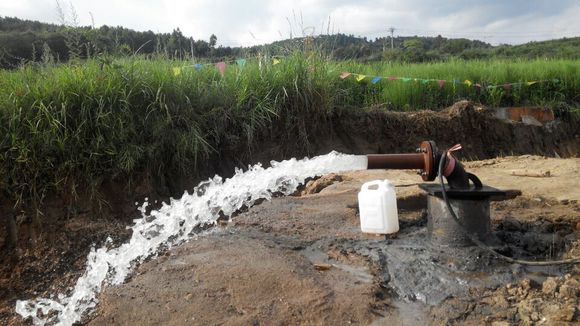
(251, 22)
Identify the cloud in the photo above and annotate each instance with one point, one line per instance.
(260, 21)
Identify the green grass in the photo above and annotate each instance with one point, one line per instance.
(412, 95)
(65, 127)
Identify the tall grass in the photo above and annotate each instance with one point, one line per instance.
(401, 95)
(68, 126)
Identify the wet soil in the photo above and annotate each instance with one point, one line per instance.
(303, 260)
(307, 233)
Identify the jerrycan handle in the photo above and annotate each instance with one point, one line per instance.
(379, 183)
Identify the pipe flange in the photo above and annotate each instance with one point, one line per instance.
(430, 154)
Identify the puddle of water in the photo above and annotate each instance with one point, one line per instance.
(176, 222)
(405, 314)
(359, 273)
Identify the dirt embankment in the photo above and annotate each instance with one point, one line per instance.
(376, 131)
(50, 258)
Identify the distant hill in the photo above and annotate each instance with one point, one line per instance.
(26, 40)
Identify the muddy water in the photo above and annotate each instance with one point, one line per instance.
(418, 269)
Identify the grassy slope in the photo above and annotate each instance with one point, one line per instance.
(69, 125)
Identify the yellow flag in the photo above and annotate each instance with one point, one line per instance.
(468, 82)
(360, 77)
(275, 61)
(176, 71)
(531, 83)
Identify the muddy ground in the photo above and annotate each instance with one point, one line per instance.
(303, 260)
(223, 276)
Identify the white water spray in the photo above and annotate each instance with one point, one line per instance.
(177, 222)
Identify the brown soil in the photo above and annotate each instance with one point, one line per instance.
(224, 277)
(278, 263)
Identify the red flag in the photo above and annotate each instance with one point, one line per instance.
(221, 66)
(507, 87)
(392, 78)
(441, 83)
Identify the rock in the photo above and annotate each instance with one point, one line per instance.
(322, 266)
(569, 289)
(555, 312)
(566, 313)
(316, 186)
(525, 310)
(565, 201)
(521, 290)
(550, 286)
(500, 323)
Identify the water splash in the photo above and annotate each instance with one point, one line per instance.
(177, 222)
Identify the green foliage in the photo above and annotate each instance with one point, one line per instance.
(72, 126)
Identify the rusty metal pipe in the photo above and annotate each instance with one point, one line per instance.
(396, 161)
(424, 160)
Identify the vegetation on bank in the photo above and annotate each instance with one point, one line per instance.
(75, 125)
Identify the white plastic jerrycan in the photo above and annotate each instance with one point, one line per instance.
(377, 203)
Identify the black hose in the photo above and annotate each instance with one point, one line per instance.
(482, 245)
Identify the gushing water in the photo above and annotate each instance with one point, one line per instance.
(177, 222)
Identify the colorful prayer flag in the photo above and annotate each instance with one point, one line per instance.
(241, 62)
(176, 71)
(405, 80)
(468, 82)
(507, 86)
(221, 66)
(345, 75)
(360, 77)
(197, 66)
(392, 78)
(530, 83)
(441, 83)
(375, 80)
(275, 61)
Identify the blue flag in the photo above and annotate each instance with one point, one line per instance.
(241, 62)
(375, 80)
(198, 66)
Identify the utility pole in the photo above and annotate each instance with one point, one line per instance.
(392, 30)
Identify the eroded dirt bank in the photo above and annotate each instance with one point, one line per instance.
(303, 260)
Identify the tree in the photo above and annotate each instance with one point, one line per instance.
(414, 50)
(212, 41)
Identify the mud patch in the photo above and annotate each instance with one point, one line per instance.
(540, 239)
(241, 277)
